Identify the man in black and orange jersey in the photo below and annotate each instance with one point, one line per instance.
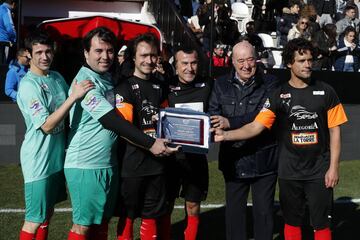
(308, 115)
(188, 174)
(142, 187)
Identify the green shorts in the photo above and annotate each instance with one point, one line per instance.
(42, 195)
(93, 193)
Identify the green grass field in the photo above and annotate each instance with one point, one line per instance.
(346, 221)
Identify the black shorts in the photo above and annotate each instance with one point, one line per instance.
(296, 195)
(143, 197)
(188, 177)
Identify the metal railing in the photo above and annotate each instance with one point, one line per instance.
(175, 29)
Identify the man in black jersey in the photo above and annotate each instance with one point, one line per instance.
(308, 114)
(188, 171)
(235, 101)
(142, 187)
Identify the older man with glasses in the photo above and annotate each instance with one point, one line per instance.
(235, 100)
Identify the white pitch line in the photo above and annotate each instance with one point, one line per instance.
(203, 206)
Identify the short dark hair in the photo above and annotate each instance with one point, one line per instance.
(20, 52)
(294, 2)
(349, 7)
(299, 45)
(103, 33)
(185, 49)
(11, 1)
(38, 37)
(149, 38)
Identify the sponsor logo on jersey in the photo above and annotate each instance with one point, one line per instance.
(319, 93)
(300, 113)
(174, 88)
(200, 85)
(135, 86)
(35, 106)
(285, 95)
(92, 102)
(119, 101)
(306, 138)
(150, 132)
(307, 127)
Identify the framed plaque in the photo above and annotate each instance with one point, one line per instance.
(185, 127)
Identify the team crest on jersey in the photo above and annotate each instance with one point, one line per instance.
(35, 106)
(92, 102)
(44, 86)
(306, 138)
(318, 93)
(266, 105)
(301, 113)
(156, 86)
(119, 101)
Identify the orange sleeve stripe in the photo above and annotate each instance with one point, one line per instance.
(125, 110)
(266, 118)
(336, 116)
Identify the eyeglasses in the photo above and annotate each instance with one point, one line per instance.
(305, 23)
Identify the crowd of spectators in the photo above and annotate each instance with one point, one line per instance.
(323, 22)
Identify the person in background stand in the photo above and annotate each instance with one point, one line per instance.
(348, 20)
(17, 70)
(7, 30)
(325, 9)
(288, 20)
(308, 115)
(348, 50)
(235, 100)
(219, 56)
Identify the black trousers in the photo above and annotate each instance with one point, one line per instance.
(237, 191)
(5, 53)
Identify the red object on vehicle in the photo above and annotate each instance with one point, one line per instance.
(70, 28)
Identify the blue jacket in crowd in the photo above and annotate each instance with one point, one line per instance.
(7, 28)
(342, 51)
(14, 75)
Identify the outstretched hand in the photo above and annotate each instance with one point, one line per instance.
(80, 89)
(218, 121)
(219, 134)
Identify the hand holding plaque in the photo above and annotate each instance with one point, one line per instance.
(185, 127)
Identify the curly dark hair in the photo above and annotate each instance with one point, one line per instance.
(299, 45)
